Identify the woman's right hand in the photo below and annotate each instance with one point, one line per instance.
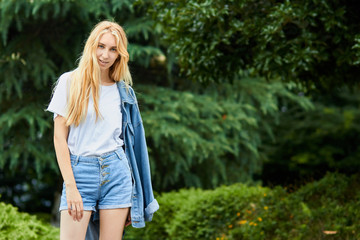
(74, 202)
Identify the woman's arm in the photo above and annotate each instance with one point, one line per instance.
(73, 197)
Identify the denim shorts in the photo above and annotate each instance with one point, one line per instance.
(104, 182)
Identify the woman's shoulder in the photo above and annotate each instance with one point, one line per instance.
(63, 82)
(66, 75)
(127, 93)
(65, 79)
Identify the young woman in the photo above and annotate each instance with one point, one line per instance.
(100, 142)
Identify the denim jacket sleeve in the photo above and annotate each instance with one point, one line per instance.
(142, 170)
(140, 149)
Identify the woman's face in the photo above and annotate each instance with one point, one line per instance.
(106, 52)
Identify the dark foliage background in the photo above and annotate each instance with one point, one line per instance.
(230, 91)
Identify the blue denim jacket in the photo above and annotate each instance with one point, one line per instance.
(143, 202)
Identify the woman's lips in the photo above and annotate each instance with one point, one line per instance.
(103, 62)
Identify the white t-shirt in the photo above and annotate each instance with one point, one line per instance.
(91, 138)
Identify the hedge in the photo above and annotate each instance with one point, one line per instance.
(15, 225)
(325, 209)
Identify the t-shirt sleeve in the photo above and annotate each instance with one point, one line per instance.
(59, 98)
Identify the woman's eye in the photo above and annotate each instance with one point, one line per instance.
(113, 49)
(101, 46)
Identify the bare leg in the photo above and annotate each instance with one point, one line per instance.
(112, 223)
(70, 229)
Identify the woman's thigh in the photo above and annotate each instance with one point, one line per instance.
(112, 222)
(70, 229)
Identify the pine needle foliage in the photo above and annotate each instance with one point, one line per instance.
(39, 40)
(213, 138)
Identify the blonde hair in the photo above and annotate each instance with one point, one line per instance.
(86, 77)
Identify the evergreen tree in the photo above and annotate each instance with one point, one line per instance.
(213, 138)
(39, 41)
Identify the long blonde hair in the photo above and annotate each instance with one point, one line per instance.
(86, 77)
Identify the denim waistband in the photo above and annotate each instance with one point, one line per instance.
(78, 158)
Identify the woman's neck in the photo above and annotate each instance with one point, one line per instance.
(105, 78)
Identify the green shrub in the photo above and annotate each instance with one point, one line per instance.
(326, 209)
(15, 225)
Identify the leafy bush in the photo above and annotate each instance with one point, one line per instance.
(326, 209)
(15, 225)
(308, 41)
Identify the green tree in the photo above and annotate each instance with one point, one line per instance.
(314, 42)
(39, 41)
(310, 143)
(212, 138)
